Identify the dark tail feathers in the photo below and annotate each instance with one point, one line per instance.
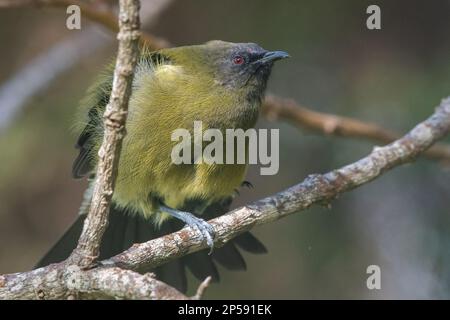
(125, 229)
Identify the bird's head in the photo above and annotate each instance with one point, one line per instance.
(234, 65)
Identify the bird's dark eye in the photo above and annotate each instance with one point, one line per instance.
(238, 60)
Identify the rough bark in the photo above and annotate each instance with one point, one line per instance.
(315, 189)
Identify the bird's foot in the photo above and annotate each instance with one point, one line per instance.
(203, 227)
(206, 230)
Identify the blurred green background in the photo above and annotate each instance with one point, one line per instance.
(394, 77)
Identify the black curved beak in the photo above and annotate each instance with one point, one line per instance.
(271, 56)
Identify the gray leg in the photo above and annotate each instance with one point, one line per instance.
(194, 222)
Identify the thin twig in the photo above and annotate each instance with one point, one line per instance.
(202, 288)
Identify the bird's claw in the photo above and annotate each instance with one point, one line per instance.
(206, 230)
(203, 227)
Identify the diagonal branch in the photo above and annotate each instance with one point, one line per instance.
(315, 189)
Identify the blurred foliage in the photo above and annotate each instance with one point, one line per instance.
(394, 77)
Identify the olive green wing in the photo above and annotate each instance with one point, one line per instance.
(96, 101)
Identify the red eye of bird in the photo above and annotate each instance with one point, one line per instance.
(238, 60)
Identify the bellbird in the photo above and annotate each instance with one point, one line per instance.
(219, 83)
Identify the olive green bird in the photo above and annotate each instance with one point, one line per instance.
(219, 83)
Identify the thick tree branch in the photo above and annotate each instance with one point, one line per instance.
(121, 284)
(202, 288)
(64, 281)
(287, 109)
(315, 189)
